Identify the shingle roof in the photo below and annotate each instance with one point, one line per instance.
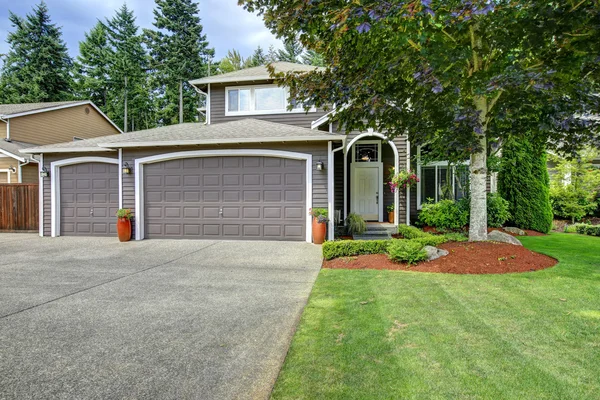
(254, 74)
(13, 148)
(6, 110)
(241, 131)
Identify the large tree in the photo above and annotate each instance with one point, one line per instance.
(38, 67)
(92, 72)
(457, 75)
(180, 52)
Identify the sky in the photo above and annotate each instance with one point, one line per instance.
(227, 25)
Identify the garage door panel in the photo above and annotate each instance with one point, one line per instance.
(89, 199)
(226, 197)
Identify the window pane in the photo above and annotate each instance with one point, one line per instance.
(461, 182)
(270, 99)
(245, 100)
(368, 152)
(444, 184)
(427, 184)
(232, 100)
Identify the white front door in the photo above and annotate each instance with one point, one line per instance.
(365, 201)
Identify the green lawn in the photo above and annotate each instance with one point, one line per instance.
(395, 335)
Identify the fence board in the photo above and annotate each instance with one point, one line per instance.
(19, 207)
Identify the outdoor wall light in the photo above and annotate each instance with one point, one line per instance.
(12, 169)
(44, 173)
(126, 169)
(320, 166)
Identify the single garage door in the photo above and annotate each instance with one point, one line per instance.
(247, 198)
(89, 199)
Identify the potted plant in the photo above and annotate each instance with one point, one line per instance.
(402, 179)
(124, 217)
(391, 216)
(319, 224)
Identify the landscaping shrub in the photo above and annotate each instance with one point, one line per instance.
(456, 237)
(411, 232)
(410, 251)
(497, 210)
(571, 228)
(431, 240)
(347, 248)
(445, 215)
(355, 224)
(572, 203)
(524, 182)
(591, 230)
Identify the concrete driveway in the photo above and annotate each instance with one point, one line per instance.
(93, 318)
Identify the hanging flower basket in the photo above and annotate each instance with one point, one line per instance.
(402, 179)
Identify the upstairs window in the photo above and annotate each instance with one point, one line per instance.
(263, 99)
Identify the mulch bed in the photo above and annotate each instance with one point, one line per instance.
(529, 232)
(464, 258)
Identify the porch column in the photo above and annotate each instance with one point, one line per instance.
(330, 190)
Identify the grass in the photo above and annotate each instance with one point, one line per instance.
(408, 335)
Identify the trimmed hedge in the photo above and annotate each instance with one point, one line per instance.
(348, 248)
(431, 240)
(591, 230)
(410, 251)
(411, 232)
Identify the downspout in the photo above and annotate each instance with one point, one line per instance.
(408, 186)
(7, 122)
(331, 181)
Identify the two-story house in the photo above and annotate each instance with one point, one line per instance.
(252, 171)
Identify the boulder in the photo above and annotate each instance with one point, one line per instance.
(515, 231)
(502, 237)
(433, 253)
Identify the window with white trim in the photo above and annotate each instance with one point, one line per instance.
(439, 180)
(260, 99)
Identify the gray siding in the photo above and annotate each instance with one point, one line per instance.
(217, 110)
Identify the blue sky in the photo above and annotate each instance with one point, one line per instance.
(226, 24)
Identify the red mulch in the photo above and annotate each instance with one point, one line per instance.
(464, 258)
(529, 232)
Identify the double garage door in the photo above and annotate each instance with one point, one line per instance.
(260, 198)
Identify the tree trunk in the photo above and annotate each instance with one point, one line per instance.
(478, 178)
(181, 102)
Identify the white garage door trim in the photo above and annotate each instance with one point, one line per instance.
(139, 176)
(55, 185)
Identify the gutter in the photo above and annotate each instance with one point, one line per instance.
(320, 138)
(7, 122)
(65, 150)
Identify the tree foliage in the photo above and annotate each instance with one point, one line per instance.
(92, 72)
(457, 75)
(524, 182)
(38, 66)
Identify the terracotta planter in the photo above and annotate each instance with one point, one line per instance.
(318, 230)
(391, 217)
(124, 229)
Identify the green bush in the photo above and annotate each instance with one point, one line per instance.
(411, 232)
(355, 224)
(456, 237)
(571, 203)
(445, 215)
(497, 210)
(431, 240)
(571, 228)
(410, 251)
(348, 248)
(524, 182)
(591, 230)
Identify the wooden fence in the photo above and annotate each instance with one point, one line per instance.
(19, 207)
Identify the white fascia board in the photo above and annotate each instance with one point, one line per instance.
(11, 155)
(230, 79)
(66, 150)
(220, 141)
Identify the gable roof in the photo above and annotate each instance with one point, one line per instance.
(12, 149)
(240, 131)
(254, 74)
(8, 111)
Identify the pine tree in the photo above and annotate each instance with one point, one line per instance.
(311, 57)
(292, 51)
(128, 101)
(234, 61)
(92, 70)
(180, 52)
(258, 58)
(524, 182)
(272, 55)
(37, 67)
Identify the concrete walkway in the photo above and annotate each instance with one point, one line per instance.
(93, 318)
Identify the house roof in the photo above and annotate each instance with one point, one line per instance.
(12, 149)
(240, 131)
(254, 74)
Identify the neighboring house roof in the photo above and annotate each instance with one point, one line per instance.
(240, 131)
(8, 111)
(12, 149)
(254, 74)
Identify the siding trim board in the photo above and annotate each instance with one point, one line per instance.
(139, 176)
(55, 185)
(41, 194)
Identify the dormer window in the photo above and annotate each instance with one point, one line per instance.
(260, 99)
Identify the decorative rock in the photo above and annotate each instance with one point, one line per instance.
(502, 237)
(516, 231)
(433, 253)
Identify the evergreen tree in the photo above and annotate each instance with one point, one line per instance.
(292, 51)
(524, 182)
(234, 61)
(128, 101)
(272, 55)
(38, 67)
(258, 58)
(311, 57)
(179, 52)
(92, 70)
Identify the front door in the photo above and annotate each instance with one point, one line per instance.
(365, 201)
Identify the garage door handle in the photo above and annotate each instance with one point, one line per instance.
(221, 212)
(91, 212)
